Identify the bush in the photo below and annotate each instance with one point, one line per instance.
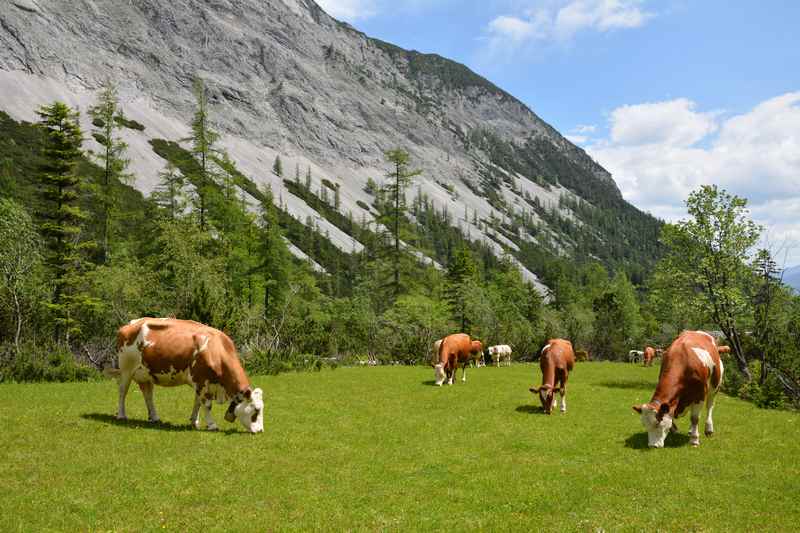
(42, 364)
(768, 396)
(264, 363)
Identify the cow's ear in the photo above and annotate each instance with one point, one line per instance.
(637, 408)
(533, 390)
(247, 394)
(662, 410)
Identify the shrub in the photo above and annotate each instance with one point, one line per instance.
(261, 362)
(34, 363)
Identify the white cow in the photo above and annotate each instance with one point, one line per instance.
(499, 352)
(635, 356)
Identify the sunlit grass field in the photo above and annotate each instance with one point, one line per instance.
(383, 449)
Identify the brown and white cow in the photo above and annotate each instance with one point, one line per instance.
(171, 352)
(454, 350)
(556, 361)
(691, 372)
(649, 355)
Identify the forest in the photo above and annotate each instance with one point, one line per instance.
(83, 252)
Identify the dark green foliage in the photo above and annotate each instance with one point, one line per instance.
(34, 363)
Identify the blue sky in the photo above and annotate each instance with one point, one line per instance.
(667, 95)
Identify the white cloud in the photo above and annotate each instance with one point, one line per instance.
(660, 152)
(585, 128)
(674, 122)
(349, 10)
(562, 19)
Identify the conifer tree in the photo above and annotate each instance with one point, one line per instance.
(61, 216)
(399, 178)
(277, 166)
(462, 277)
(107, 118)
(170, 192)
(274, 261)
(203, 147)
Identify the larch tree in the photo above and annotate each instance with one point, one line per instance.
(400, 178)
(107, 118)
(170, 193)
(204, 140)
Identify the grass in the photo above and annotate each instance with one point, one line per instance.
(383, 449)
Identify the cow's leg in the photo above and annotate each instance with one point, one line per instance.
(210, 424)
(464, 373)
(694, 432)
(563, 393)
(194, 419)
(709, 409)
(147, 392)
(124, 385)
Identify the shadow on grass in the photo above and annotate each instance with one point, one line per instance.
(430, 382)
(146, 424)
(637, 384)
(638, 441)
(530, 409)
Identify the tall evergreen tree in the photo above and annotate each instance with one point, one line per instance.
(61, 216)
(203, 147)
(108, 118)
(277, 166)
(170, 192)
(399, 179)
(274, 260)
(462, 277)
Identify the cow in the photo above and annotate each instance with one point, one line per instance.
(454, 350)
(499, 352)
(435, 353)
(556, 361)
(634, 356)
(171, 352)
(477, 354)
(691, 372)
(649, 355)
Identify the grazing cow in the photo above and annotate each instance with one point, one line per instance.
(556, 361)
(435, 354)
(477, 354)
(499, 352)
(454, 350)
(634, 356)
(649, 355)
(171, 352)
(691, 372)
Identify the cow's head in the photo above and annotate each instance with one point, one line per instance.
(657, 421)
(547, 395)
(249, 410)
(438, 373)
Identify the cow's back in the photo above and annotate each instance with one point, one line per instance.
(692, 365)
(456, 347)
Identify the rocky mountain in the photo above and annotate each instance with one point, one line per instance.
(285, 79)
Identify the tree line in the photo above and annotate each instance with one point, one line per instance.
(83, 252)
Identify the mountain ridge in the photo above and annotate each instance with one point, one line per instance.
(285, 79)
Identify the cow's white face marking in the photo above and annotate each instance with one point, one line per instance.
(438, 372)
(704, 357)
(656, 431)
(250, 413)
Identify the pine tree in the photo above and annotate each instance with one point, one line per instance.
(277, 166)
(400, 177)
(170, 192)
(274, 260)
(337, 200)
(203, 147)
(61, 217)
(107, 118)
(308, 179)
(462, 277)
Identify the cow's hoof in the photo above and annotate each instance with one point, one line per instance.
(709, 433)
(563, 410)
(155, 420)
(122, 417)
(213, 427)
(694, 442)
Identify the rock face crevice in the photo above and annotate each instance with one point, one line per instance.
(285, 78)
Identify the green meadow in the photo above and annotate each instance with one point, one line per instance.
(383, 449)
